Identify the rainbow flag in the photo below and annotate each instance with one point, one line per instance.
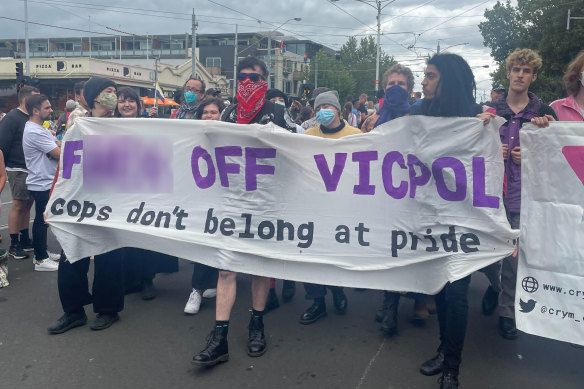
(282, 47)
(159, 93)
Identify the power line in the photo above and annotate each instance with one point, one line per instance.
(53, 26)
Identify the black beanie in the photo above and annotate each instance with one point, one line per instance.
(93, 88)
(271, 93)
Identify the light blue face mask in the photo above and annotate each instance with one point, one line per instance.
(325, 116)
(190, 97)
(280, 102)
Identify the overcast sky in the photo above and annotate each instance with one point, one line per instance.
(411, 28)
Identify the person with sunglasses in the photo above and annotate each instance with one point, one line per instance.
(251, 107)
(193, 94)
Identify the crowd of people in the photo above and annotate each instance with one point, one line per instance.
(31, 153)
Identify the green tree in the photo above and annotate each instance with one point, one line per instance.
(538, 25)
(331, 74)
(359, 59)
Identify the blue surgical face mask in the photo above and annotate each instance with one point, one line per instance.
(325, 116)
(280, 102)
(190, 97)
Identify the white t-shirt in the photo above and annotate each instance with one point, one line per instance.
(37, 142)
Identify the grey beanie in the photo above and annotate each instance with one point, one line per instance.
(93, 88)
(330, 97)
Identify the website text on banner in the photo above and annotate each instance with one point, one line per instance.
(550, 276)
(409, 206)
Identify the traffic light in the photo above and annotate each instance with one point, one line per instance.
(19, 70)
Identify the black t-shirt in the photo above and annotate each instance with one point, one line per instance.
(11, 130)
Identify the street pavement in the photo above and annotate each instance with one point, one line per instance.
(153, 343)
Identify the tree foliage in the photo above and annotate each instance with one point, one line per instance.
(538, 25)
(354, 72)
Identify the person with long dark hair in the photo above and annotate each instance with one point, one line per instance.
(449, 91)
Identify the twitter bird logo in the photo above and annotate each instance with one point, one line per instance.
(528, 306)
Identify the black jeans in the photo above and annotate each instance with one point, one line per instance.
(452, 309)
(108, 283)
(315, 291)
(39, 227)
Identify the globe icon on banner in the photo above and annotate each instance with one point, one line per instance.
(529, 284)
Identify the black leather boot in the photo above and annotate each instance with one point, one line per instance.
(389, 323)
(216, 351)
(256, 343)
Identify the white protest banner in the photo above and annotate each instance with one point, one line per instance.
(549, 298)
(409, 206)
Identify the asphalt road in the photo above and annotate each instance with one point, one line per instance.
(153, 343)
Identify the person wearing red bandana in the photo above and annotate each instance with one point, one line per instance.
(251, 107)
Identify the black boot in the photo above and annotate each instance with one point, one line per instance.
(256, 343)
(272, 301)
(288, 290)
(389, 323)
(434, 365)
(216, 351)
(448, 381)
(316, 311)
(380, 314)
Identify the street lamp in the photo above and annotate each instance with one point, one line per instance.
(270, 47)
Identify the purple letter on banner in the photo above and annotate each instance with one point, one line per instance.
(364, 158)
(223, 167)
(252, 169)
(438, 166)
(415, 180)
(331, 180)
(69, 156)
(480, 198)
(202, 182)
(387, 176)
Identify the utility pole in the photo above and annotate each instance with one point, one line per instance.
(194, 55)
(27, 52)
(316, 71)
(90, 37)
(378, 46)
(438, 47)
(235, 64)
(270, 60)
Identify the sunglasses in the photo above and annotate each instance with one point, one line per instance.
(254, 77)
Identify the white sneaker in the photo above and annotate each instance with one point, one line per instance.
(194, 303)
(210, 293)
(54, 256)
(45, 265)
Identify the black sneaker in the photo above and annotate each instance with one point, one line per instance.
(27, 246)
(104, 320)
(67, 322)
(17, 252)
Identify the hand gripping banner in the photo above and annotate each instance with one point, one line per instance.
(409, 206)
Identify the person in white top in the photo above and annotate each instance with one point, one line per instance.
(41, 153)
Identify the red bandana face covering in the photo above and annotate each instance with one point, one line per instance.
(250, 99)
